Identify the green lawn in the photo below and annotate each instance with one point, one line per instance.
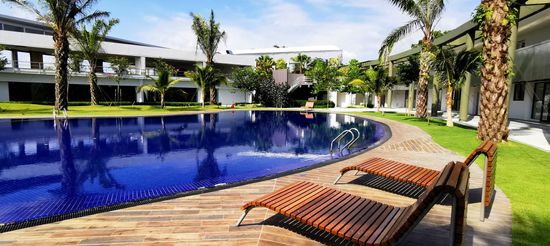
(523, 174)
(35, 110)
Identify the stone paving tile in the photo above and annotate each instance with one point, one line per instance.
(208, 219)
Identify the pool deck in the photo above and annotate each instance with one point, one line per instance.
(209, 218)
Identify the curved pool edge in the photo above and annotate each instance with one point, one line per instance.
(56, 218)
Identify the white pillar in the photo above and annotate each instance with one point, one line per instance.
(4, 92)
(141, 67)
(199, 95)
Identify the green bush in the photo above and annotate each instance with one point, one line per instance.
(370, 105)
(318, 103)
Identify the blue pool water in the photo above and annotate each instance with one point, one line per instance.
(91, 163)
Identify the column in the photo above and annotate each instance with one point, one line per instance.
(465, 94)
(140, 66)
(14, 59)
(4, 92)
(389, 99)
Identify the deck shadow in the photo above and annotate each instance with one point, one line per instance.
(427, 233)
(405, 189)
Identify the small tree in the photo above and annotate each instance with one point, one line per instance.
(246, 79)
(264, 65)
(302, 61)
(120, 66)
(162, 83)
(89, 44)
(408, 74)
(325, 76)
(378, 82)
(452, 69)
(202, 76)
(280, 64)
(3, 60)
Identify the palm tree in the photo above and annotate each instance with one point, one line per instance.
(202, 76)
(89, 44)
(160, 85)
(264, 65)
(496, 18)
(62, 16)
(120, 66)
(209, 36)
(425, 15)
(280, 64)
(407, 73)
(452, 69)
(377, 81)
(302, 61)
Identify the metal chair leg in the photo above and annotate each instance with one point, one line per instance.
(245, 212)
(338, 178)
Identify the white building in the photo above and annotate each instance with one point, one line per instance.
(29, 74)
(530, 88)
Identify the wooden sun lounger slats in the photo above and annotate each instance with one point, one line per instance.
(423, 176)
(364, 221)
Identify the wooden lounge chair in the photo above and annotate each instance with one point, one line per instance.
(309, 105)
(364, 221)
(424, 177)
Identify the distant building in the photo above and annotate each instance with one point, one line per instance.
(324, 52)
(29, 75)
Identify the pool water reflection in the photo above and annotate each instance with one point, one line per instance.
(88, 163)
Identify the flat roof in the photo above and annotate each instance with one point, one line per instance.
(286, 50)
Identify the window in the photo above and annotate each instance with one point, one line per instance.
(519, 91)
(13, 28)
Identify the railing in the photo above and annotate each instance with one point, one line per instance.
(299, 81)
(46, 68)
(355, 135)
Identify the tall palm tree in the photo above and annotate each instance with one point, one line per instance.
(302, 61)
(496, 18)
(425, 15)
(203, 76)
(452, 68)
(62, 16)
(264, 65)
(209, 36)
(160, 85)
(89, 44)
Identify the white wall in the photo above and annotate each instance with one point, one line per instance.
(228, 96)
(398, 99)
(522, 109)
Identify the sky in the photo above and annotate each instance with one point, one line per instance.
(356, 26)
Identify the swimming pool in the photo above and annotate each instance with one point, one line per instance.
(84, 165)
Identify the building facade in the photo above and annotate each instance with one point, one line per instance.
(29, 74)
(530, 86)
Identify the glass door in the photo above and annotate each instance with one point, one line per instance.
(541, 102)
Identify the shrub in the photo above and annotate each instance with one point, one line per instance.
(271, 94)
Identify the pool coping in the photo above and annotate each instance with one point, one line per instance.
(56, 218)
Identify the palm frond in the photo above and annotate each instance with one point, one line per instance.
(148, 88)
(408, 6)
(396, 35)
(93, 16)
(26, 5)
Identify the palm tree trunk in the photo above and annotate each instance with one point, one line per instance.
(449, 105)
(435, 96)
(212, 88)
(92, 79)
(162, 100)
(203, 92)
(61, 53)
(493, 124)
(422, 93)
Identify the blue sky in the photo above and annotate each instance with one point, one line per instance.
(357, 26)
